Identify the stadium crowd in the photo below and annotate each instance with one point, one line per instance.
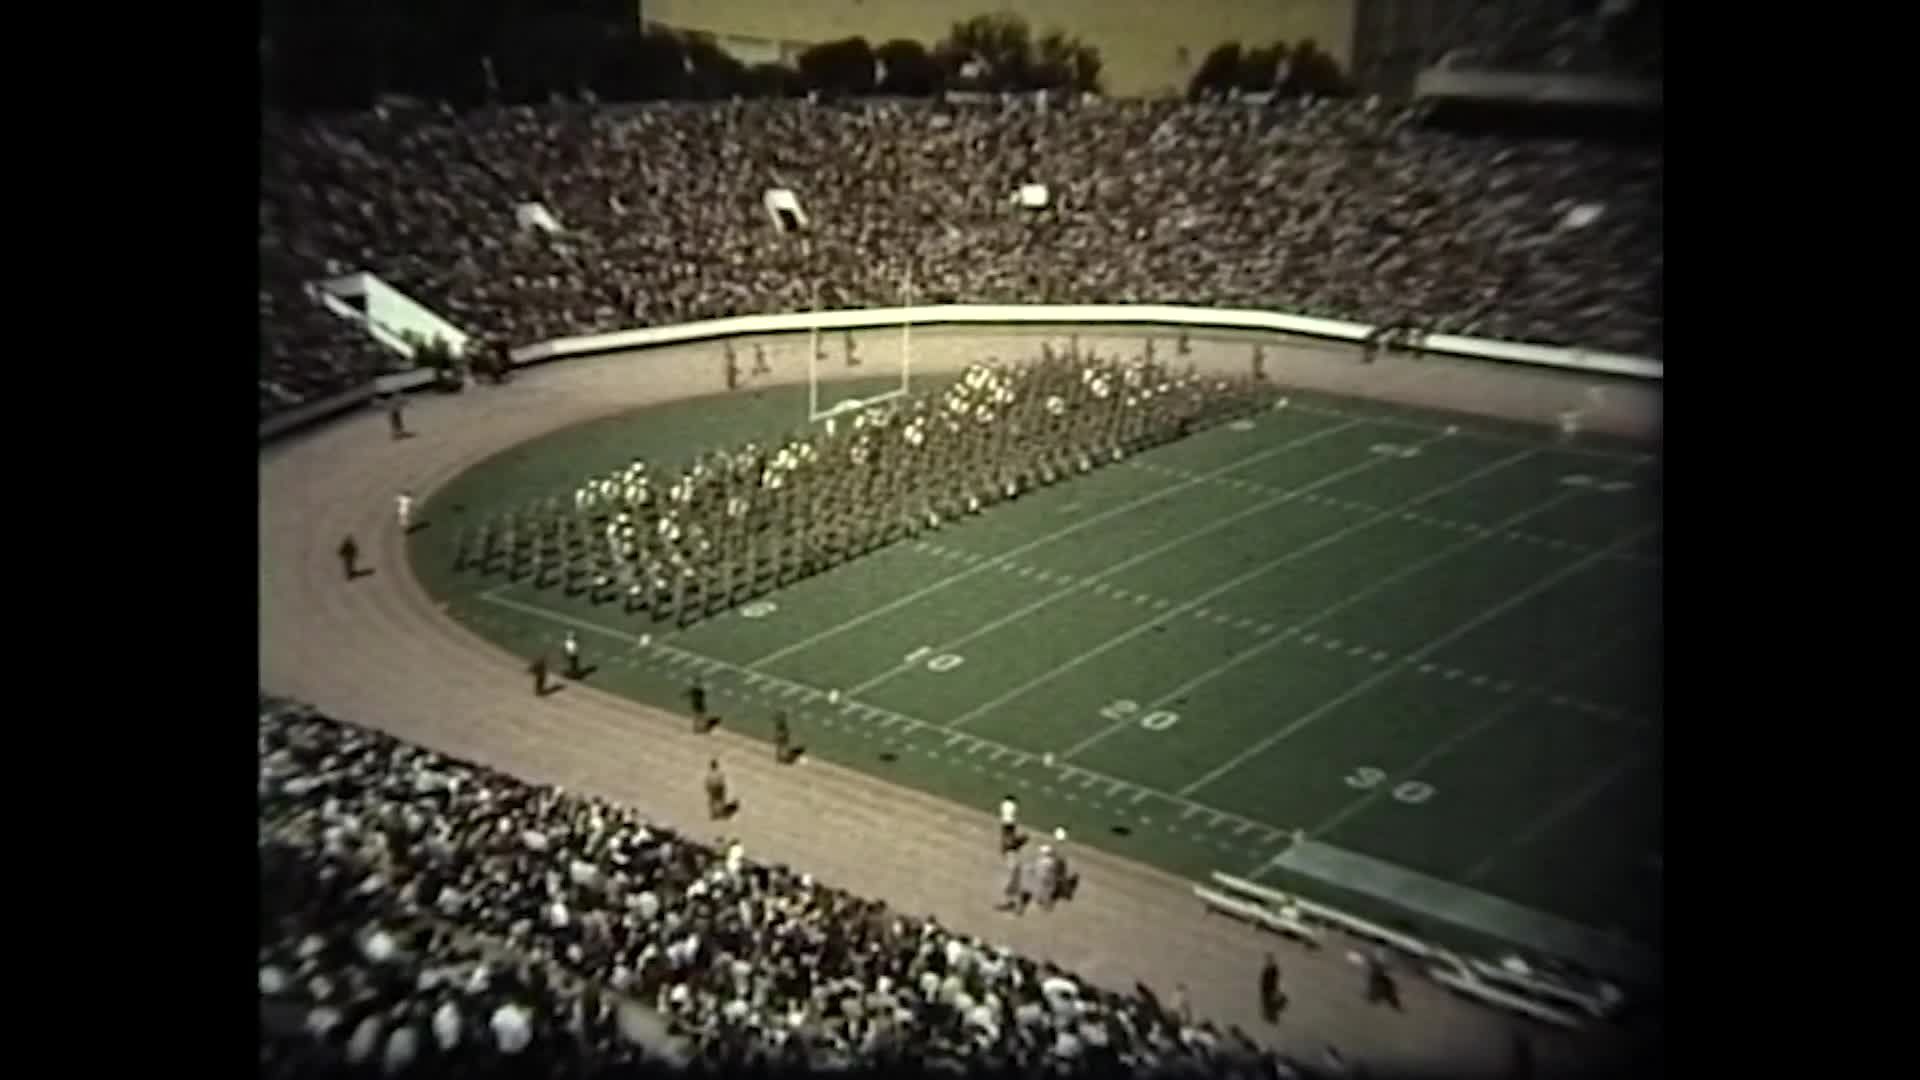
(1332, 207)
(422, 914)
(1562, 36)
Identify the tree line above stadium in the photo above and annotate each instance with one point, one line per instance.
(346, 54)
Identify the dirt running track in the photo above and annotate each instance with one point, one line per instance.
(377, 652)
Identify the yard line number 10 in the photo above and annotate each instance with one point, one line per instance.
(941, 662)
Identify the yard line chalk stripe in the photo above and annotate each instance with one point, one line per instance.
(1443, 523)
(975, 743)
(1383, 515)
(1368, 799)
(1103, 516)
(1635, 459)
(1554, 815)
(1216, 525)
(1374, 680)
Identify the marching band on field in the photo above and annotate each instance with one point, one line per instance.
(736, 524)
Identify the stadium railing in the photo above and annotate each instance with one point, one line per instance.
(1562, 1001)
(1599, 363)
(1125, 314)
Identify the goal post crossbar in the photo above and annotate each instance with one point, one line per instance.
(816, 414)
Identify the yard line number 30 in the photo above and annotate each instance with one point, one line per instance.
(1364, 778)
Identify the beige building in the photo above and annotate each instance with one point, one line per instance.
(1147, 47)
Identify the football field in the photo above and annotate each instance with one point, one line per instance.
(1403, 663)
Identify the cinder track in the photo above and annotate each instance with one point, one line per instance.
(378, 652)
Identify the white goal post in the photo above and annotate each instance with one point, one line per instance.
(815, 412)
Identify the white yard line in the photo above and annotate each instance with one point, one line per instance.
(1235, 660)
(1340, 534)
(698, 661)
(1084, 523)
(1621, 457)
(1213, 526)
(1383, 656)
(1445, 523)
(1428, 649)
(1493, 717)
(1554, 815)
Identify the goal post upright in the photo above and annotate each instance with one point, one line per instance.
(817, 414)
(906, 329)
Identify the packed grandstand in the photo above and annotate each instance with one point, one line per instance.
(1340, 208)
(426, 916)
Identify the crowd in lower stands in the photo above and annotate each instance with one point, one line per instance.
(1340, 208)
(420, 913)
(1582, 37)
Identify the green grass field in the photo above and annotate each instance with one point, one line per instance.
(1430, 642)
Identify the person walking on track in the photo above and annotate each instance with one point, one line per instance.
(716, 785)
(1381, 989)
(782, 739)
(697, 700)
(397, 416)
(349, 557)
(572, 647)
(1271, 999)
(1009, 825)
(403, 509)
(539, 672)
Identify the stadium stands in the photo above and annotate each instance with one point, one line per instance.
(422, 915)
(1558, 36)
(1344, 209)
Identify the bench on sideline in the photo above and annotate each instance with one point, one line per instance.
(1563, 999)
